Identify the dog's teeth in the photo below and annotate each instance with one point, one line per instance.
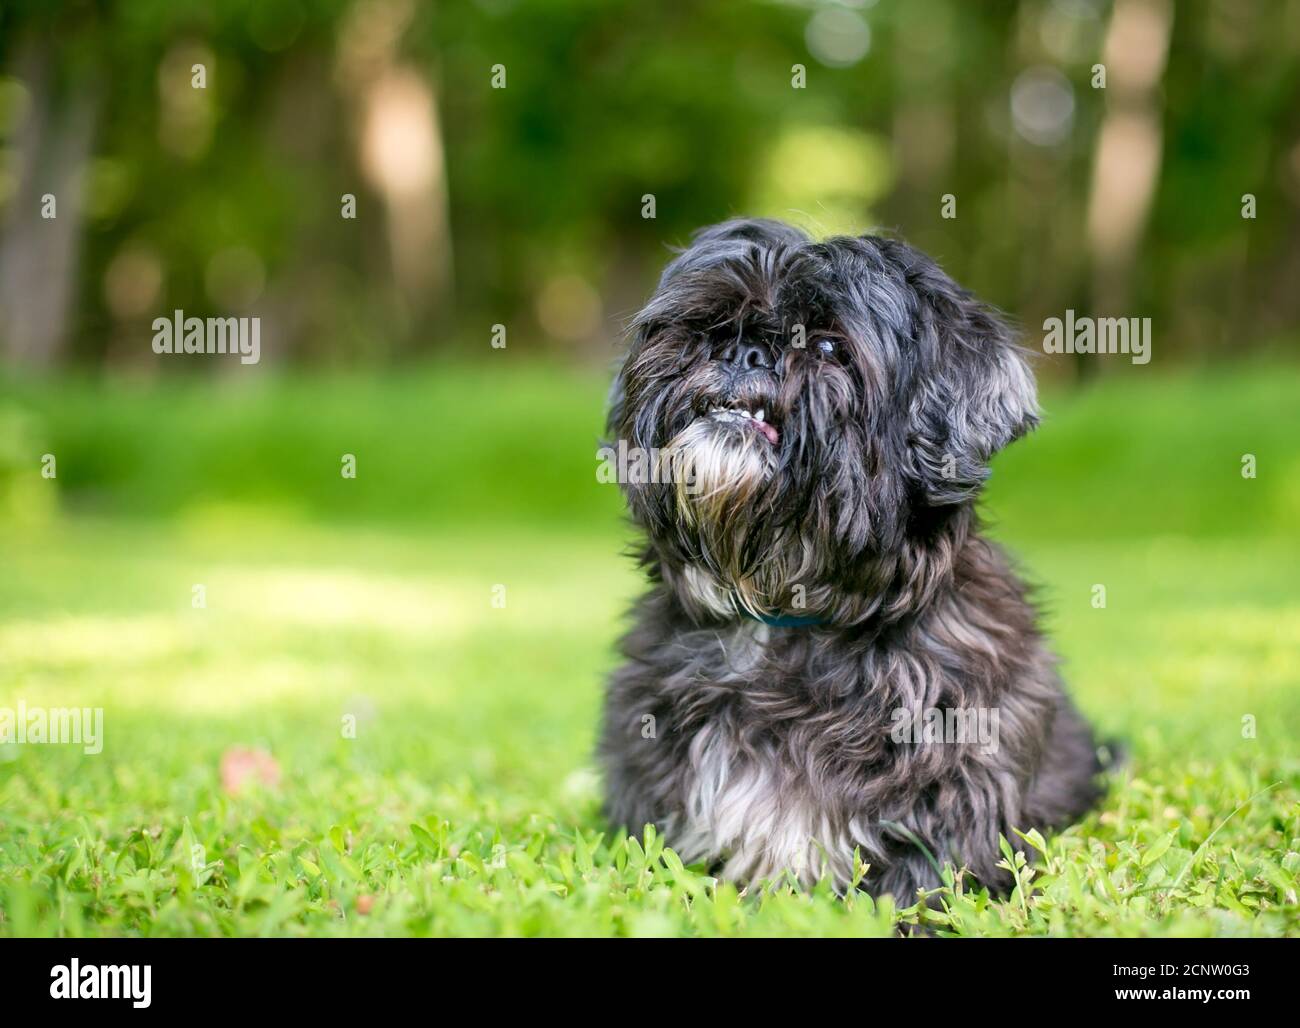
(754, 415)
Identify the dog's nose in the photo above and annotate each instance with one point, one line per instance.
(746, 356)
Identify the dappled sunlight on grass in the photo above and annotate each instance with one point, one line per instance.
(385, 604)
(65, 643)
(476, 723)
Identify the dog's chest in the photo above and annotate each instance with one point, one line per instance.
(747, 811)
(747, 800)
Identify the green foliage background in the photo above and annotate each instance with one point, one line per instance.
(607, 102)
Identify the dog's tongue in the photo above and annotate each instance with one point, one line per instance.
(772, 434)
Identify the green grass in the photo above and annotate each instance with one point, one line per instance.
(467, 802)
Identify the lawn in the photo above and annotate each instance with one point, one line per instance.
(405, 668)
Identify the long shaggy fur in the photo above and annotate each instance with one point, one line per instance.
(761, 747)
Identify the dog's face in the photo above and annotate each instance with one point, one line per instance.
(825, 410)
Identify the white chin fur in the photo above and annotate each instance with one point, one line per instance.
(715, 467)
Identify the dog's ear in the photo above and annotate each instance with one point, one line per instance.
(971, 392)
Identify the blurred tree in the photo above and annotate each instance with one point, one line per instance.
(505, 157)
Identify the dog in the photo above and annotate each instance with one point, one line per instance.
(824, 413)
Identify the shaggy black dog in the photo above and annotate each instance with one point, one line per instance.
(830, 657)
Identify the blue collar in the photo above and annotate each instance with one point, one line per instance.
(787, 620)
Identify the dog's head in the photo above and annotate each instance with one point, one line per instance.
(825, 412)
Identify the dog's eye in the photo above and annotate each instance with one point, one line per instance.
(826, 346)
